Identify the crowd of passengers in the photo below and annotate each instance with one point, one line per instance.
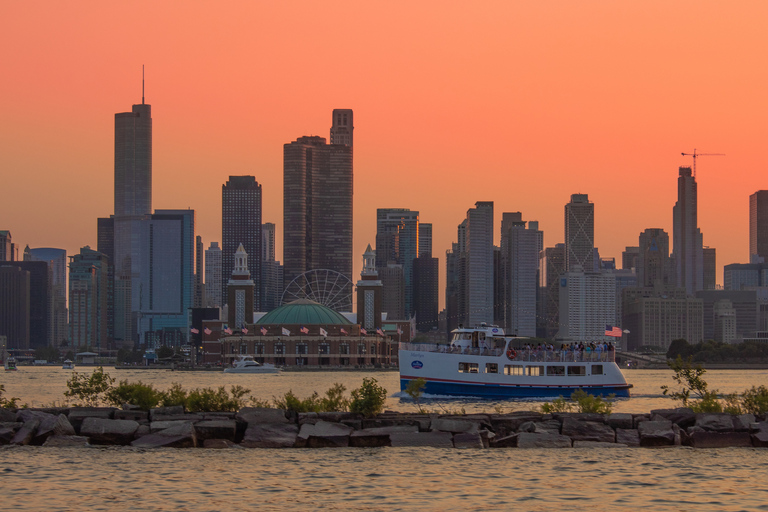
(593, 351)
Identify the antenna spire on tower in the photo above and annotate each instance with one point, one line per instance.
(142, 84)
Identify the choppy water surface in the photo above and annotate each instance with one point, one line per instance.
(674, 479)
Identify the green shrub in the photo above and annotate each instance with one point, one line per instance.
(144, 396)
(559, 404)
(91, 389)
(690, 380)
(586, 403)
(174, 396)
(334, 400)
(755, 400)
(290, 402)
(733, 404)
(369, 398)
(216, 400)
(7, 403)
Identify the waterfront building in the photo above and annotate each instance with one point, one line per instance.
(655, 317)
(369, 293)
(688, 241)
(479, 269)
(580, 233)
(240, 296)
(241, 203)
(15, 311)
(213, 276)
(587, 305)
(758, 226)
(40, 302)
(317, 202)
(57, 265)
(166, 277)
(519, 267)
(88, 299)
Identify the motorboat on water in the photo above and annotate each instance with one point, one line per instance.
(10, 364)
(483, 362)
(68, 365)
(246, 364)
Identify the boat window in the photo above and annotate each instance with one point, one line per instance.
(467, 336)
(491, 368)
(577, 370)
(597, 369)
(514, 369)
(468, 368)
(555, 370)
(534, 371)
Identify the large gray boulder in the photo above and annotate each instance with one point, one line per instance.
(324, 434)
(455, 425)
(504, 442)
(588, 431)
(374, 437)
(259, 415)
(541, 427)
(180, 435)
(173, 410)
(77, 415)
(24, 435)
(628, 436)
(6, 434)
(505, 424)
(24, 415)
(468, 440)
(683, 417)
(53, 426)
(742, 422)
(434, 439)
(529, 440)
(103, 431)
(66, 441)
(579, 416)
(716, 422)
(719, 439)
(421, 420)
(7, 415)
(216, 429)
(656, 433)
(157, 426)
(139, 416)
(270, 435)
(620, 420)
(760, 439)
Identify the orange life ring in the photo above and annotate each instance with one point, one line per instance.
(511, 354)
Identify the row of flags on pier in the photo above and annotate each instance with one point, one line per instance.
(323, 332)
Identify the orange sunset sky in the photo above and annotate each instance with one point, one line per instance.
(520, 103)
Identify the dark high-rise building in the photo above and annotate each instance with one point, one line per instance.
(654, 268)
(579, 233)
(241, 224)
(105, 244)
(687, 240)
(392, 291)
(317, 202)
(629, 258)
(552, 267)
(199, 298)
(57, 265)
(40, 301)
(520, 247)
(710, 268)
(397, 241)
(425, 238)
(271, 270)
(426, 274)
(15, 306)
(758, 226)
(6, 246)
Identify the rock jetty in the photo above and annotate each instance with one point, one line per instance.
(172, 427)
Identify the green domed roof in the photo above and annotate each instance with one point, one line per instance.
(303, 312)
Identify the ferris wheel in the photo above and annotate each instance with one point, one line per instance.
(327, 287)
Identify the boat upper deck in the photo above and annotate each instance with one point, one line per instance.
(604, 353)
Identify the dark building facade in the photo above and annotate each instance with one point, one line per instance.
(426, 274)
(580, 233)
(241, 202)
(317, 203)
(758, 225)
(15, 306)
(88, 299)
(40, 302)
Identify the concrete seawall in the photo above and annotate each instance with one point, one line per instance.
(275, 428)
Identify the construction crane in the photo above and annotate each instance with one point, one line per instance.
(696, 155)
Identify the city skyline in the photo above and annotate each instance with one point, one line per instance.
(606, 115)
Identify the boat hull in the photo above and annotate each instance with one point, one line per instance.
(248, 370)
(498, 391)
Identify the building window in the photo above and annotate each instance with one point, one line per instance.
(301, 348)
(324, 349)
(258, 348)
(243, 348)
(344, 349)
(361, 349)
(279, 348)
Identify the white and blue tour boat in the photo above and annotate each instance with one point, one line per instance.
(482, 362)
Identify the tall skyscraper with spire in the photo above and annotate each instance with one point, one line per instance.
(317, 202)
(687, 239)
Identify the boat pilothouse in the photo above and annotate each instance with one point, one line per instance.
(484, 362)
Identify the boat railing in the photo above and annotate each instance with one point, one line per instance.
(522, 354)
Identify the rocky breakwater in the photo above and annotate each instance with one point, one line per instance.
(274, 428)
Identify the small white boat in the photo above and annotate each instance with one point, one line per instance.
(246, 364)
(10, 364)
(68, 365)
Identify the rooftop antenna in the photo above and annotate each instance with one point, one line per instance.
(142, 84)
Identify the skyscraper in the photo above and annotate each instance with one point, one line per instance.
(758, 225)
(271, 270)
(213, 276)
(199, 273)
(479, 277)
(520, 246)
(654, 268)
(579, 233)
(552, 265)
(15, 311)
(133, 201)
(88, 294)
(426, 274)
(57, 263)
(241, 224)
(688, 242)
(6, 246)
(317, 202)
(397, 241)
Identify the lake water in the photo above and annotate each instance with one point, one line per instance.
(673, 479)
